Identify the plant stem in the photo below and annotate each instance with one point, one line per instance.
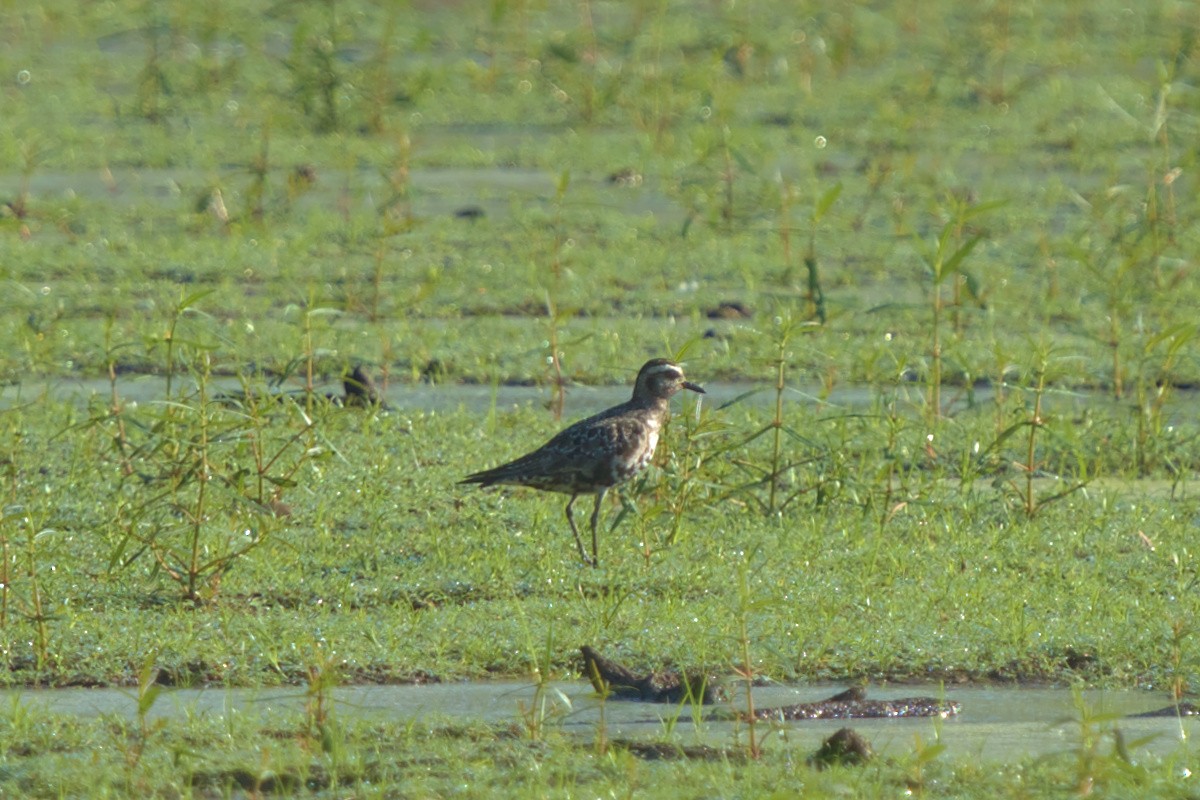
(777, 423)
(1035, 424)
(746, 668)
(935, 371)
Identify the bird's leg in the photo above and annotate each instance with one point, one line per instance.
(574, 530)
(595, 519)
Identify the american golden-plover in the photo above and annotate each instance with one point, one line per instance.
(599, 452)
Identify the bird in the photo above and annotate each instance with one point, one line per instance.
(597, 453)
(360, 390)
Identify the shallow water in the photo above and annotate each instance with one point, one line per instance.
(995, 724)
(434, 191)
(480, 398)
(581, 400)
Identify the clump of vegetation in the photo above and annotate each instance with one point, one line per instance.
(201, 477)
(943, 305)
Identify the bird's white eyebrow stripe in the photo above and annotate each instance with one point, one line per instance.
(664, 368)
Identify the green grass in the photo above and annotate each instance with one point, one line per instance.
(932, 578)
(432, 759)
(965, 237)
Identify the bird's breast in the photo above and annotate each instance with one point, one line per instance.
(635, 448)
(651, 441)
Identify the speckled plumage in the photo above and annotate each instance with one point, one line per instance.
(599, 452)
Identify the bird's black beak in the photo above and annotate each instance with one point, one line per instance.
(694, 387)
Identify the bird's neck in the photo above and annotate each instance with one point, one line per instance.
(659, 405)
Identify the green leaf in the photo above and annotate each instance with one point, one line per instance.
(740, 398)
(980, 209)
(192, 299)
(952, 264)
(826, 200)
(742, 161)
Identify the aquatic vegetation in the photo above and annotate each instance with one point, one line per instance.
(934, 264)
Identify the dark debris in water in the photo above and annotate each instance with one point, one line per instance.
(470, 213)
(730, 309)
(667, 686)
(360, 389)
(267, 782)
(847, 747)
(853, 704)
(626, 177)
(1184, 709)
(618, 682)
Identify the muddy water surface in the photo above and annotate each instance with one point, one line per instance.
(995, 724)
(581, 400)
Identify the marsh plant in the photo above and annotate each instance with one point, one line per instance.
(1178, 650)
(1028, 431)
(548, 704)
(967, 290)
(1122, 246)
(708, 188)
(185, 510)
(943, 261)
(31, 156)
(747, 605)
(153, 87)
(135, 742)
(114, 415)
(316, 79)
(1094, 767)
(1082, 114)
(1161, 354)
(814, 295)
(201, 477)
(783, 440)
(322, 676)
(688, 482)
(378, 80)
(307, 361)
(24, 544)
(682, 483)
(557, 316)
(395, 210)
(603, 692)
(923, 755)
(605, 603)
(260, 173)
